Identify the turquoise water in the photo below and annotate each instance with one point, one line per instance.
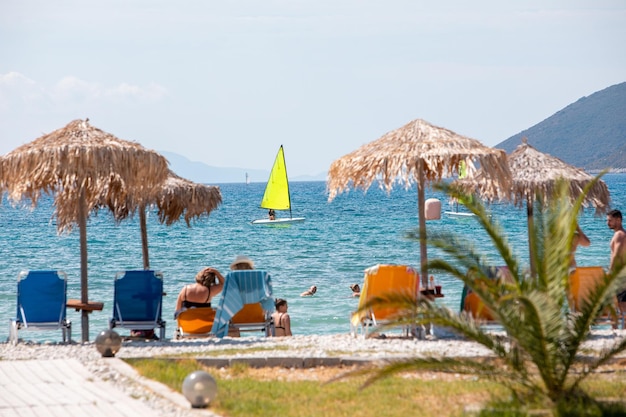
(330, 249)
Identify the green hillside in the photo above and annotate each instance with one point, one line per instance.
(590, 133)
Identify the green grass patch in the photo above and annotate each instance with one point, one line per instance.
(241, 393)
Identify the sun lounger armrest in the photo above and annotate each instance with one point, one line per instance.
(88, 306)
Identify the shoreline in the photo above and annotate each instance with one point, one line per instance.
(444, 344)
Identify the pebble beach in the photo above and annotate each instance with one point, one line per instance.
(339, 345)
(309, 346)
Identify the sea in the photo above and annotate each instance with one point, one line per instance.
(331, 249)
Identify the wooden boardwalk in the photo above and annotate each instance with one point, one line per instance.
(51, 388)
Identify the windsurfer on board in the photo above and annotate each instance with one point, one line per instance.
(272, 214)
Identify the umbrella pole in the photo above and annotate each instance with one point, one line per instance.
(144, 237)
(422, 222)
(531, 235)
(84, 295)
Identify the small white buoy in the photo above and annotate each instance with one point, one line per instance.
(432, 209)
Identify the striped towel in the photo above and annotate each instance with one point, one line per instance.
(242, 287)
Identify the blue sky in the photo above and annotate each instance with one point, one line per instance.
(227, 82)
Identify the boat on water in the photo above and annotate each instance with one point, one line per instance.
(459, 214)
(454, 201)
(277, 196)
(456, 212)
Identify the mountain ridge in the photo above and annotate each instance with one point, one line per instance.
(589, 133)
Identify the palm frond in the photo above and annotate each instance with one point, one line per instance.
(468, 366)
(544, 338)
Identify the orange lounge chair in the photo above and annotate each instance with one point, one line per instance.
(195, 322)
(473, 305)
(378, 281)
(252, 318)
(581, 282)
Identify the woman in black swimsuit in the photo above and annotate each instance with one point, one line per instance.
(202, 291)
(282, 322)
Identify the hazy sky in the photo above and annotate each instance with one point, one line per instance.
(227, 82)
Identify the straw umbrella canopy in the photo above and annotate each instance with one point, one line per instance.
(535, 175)
(417, 152)
(79, 164)
(1, 177)
(175, 198)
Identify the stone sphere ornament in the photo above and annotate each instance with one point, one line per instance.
(108, 343)
(199, 388)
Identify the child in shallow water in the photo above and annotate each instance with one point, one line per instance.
(356, 290)
(282, 321)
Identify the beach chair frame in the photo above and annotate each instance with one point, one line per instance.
(41, 304)
(138, 301)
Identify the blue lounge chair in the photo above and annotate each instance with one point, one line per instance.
(138, 300)
(41, 303)
(242, 288)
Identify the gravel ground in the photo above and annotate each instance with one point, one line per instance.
(326, 346)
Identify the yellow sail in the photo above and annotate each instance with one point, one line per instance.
(462, 169)
(463, 174)
(277, 190)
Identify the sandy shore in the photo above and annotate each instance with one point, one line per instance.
(327, 346)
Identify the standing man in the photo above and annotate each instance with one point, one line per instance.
(618, 253)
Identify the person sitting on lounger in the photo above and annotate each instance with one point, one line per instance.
(309, 292)
(282, 322)
(242, 262)
(209, 283)
(579, 239)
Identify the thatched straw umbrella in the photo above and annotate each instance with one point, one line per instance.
(175, 197)
(417, 152)
(1, 177)
(80, 164)
(536, 174)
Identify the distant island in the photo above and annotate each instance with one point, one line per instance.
(206, 174)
